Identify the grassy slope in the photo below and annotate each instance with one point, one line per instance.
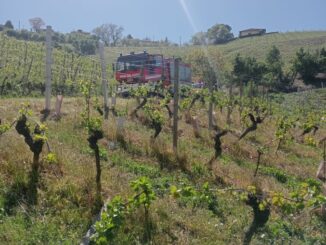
(288, 43)
(66, 193)
(12, 52)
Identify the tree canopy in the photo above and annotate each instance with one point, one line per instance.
(110, 33)
(199, 38)
(248, 68)
(219, 33)
(36, 23)
(306, 64)
(206, 67)
(9, 25)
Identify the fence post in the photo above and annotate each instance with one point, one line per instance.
(175, 105)
(104, 80)
(48, 62)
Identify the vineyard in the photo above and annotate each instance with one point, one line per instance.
(22, 70)
(217, 167)
(288, 43)
(22, 62)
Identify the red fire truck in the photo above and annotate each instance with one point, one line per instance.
(141, 68)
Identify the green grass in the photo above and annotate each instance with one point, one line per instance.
(66, 192)
(288, 43)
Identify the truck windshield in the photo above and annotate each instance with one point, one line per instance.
(131, 62)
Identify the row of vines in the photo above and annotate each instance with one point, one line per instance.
(154, 109)
(22, 73)
(22, 69)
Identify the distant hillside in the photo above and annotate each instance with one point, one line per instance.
(288, 43)
(258, 46)
(22, 63)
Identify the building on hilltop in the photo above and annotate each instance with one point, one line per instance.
(251, 32)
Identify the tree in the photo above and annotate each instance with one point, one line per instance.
(239, 67)
(201, 66)
(36, 23)
(274, 63)
(103, 33)
(274, 73)
(87, 46)
(82, 42)
(306, 64)
(9, 25)
(247, 71)
(116, 33)
(219, 33)
(247, 68)
(322, 60)
(111, 34)
(199, 38)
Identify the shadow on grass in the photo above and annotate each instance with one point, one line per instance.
(21, 191)
(14, 195)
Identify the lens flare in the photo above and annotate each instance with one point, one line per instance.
(195, 29)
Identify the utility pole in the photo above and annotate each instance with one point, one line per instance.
(48, 62)
(104, 81)
(175, 105)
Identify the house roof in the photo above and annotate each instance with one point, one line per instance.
(253, 29)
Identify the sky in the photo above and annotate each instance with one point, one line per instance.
(175, 19)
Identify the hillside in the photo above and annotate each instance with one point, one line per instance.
(22, 63)
(193, 198)
(288, 43)
(217, 216)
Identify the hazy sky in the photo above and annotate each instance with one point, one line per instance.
(172, 18)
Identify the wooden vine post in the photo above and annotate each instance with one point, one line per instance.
(58, 105)
(114, 90)
(210, 109)
(104, 80)
(229, 105)
(175, 105)
(210, 105)
(241, 95)
(48, 62)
